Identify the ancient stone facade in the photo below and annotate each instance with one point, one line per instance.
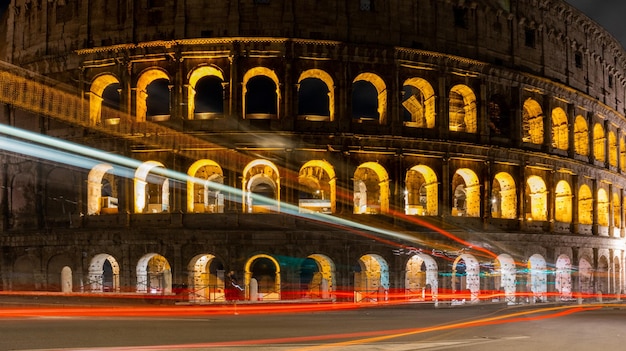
(316, 148)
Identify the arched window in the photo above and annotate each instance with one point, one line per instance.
(153, 96)
(371, 189)
(462, 109)
(603, 208)
(581, 136)
(205, 92)
(104, 100)
(261, 187)
(499, 116)
(560, 132)
(369, 98)
(261, 94)
(421, 192)
(316, 97)
(563, 202)
(204, 193)
(612, 149)
(466, 193)
(536, 199)
(418, 100)
(585, 205)
(317, 192)
(532, 122)
(599, 143)
(622, 153)
(617, 210)
(503, 197)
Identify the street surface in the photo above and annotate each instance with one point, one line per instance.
(398, 328)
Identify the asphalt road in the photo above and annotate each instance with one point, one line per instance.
(483, 328)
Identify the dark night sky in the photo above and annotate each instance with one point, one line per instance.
(608, 13)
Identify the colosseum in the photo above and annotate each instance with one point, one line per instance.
(356, 150)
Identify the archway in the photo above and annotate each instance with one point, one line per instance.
(532, 122)
(206, 279)
(317, 187)
(421, 194)
(560, 132)
(536, 199)
(503, 197)
(563, 202)
(151, 189)
(369, 98)
(261, 187)
(100, 99)
(203, 187)
(371, 189)
(581, 136)
(316, 96)
(262, 278)
(599, 147)
(371, 279)
(506, 271)
(104, 274)
(154, 275)
(322, 284)
(585, 277)
(563, 277)
(146, 78)
(462, 109)
(421, 281)
(418, 101)
(465, 193)
(466, 278)
(205, 93)
(261, 94)
(538, 282)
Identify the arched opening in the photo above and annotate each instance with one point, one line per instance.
(421, 195)
(599, 149)
(585, 205)
(104, 274)
(581, 136)
(371, 189)
(102, 190)
(617, 210)
(151, 189)
(206, 279)
(153, 100)
(503, 197)
(504, 277)
(466, 279)
(563, 202)
(499, 116)
(59, 274)
(205, 93)
(617, 276)
(462, 109)
(418, 100)
(603, 208)
(261, 94)
(154, 275)
(532, 122)
(316, 96)
(585, 278)
(622, 153)
(465, 194)
(204, 193)
(602, 277)
(536, 197)
(261, 187)
(262, 278)
(371, 279)
(612, 149)
(317, 191)
(369, 98)
(560, 132)
(563, 277)
(104, 100)
(538, 280)
(421, 282)
(323, 282)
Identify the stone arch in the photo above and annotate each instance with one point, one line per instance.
(59, 274)
(536, 199)
(371, 189)
(151, 190)
(581, 136)
(617, 210)
(465, 193)
(421, 196)
(504, 197)
(603, 207)
(560, 132)
(95, 198)
(563, 202)
(195, 76)
(538, 278)
(318, 185)
(563, 277)
(466, 277)
(206, 278)
(462, 109)
(104, 274)
(327, 80)
(622, 153)
(97, 98)
(532, 122)
(371, 279)
(381, 89)
(612, 149)
(602, 277)
(585, 277)
(261, 187)
(322, 282)
(204, 187)
(261, 72)
(61, 196)
(421, 281)
(506, 271)
(599, 147)
(154, 275)
(617, 276)
(266, 278)
(585, 205)
(141, 99)
(419, 103)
